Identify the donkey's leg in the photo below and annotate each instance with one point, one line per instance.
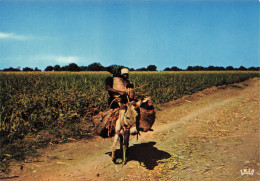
(127, 138)
(125, 145)
(117, 135)
(121, 142)
(114, 147)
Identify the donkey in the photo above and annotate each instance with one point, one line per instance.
(126, 123)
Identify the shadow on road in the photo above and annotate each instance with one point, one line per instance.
(145, 153)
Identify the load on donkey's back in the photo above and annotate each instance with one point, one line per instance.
(121, 91)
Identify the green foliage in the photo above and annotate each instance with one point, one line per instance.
(31, 103)
(167, 86)
(54, 102)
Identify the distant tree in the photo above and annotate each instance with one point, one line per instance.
(219, 68)
(211, 68)
(195, 68)
(96, 67)
(151, 68)
(65, 68)
(174, 68)
(12, 69)
(201, 68)
(230, 68)
(141, 69)
(167, 69)
(190, 68)
(73, 67)
(36, 69)
(27, 69)
(222, 68)
(57, 68)
(254, 68)
(49, 68)
(242, 68)
(83, 68)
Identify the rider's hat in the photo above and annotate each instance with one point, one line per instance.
(124, 71)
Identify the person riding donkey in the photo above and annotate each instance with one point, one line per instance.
(120, 92)
(119, 88)
(125, 115)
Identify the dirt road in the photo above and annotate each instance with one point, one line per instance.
(210, 135)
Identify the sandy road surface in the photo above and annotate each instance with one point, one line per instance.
(210, 135)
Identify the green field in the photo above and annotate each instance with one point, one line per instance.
(60, 103)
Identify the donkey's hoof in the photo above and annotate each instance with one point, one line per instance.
(117, 160)
(124, 161)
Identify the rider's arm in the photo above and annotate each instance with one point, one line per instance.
(109, 87)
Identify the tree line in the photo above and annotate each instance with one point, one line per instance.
(98, 67)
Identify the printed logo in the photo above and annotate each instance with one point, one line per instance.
(247, 172)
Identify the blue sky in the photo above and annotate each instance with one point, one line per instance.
(133, 33)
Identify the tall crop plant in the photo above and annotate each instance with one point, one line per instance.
(164, 86)
(34, 102)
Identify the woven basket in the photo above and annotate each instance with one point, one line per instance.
(147, 118)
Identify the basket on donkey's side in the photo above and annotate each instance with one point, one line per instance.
(147, 116)
(105, 121)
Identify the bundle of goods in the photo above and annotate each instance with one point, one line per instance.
(105, 121)
(147, 115)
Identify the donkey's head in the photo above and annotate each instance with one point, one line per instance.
(129, 112)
